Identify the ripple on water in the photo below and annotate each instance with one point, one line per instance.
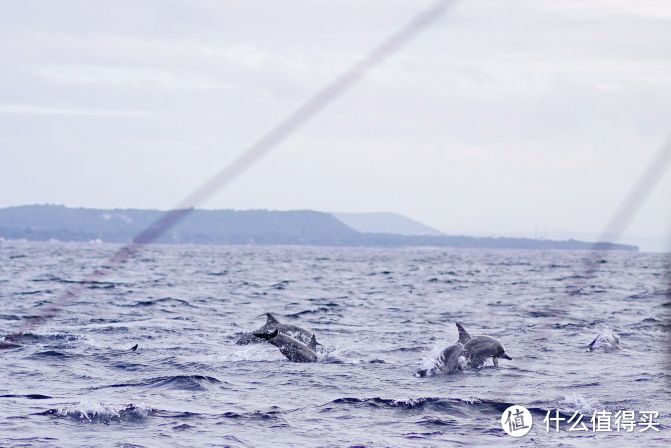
(176, 382)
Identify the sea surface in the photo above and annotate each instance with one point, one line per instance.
(381, 314)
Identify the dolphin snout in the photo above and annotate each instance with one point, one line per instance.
(505, 356)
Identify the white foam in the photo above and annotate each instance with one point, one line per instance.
(430, 355)
(342, 353)
(96, 411)
(578, 403)
(252, 352)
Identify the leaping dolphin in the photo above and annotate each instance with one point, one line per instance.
(273, 324)
(292, 348)
(478, 348)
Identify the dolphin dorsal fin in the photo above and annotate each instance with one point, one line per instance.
(464, 337)
(313, 342)
(271, 319)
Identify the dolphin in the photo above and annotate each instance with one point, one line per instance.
(447, 362)
(606, 341)
(478, 348)
(271, 325)
(293, 349)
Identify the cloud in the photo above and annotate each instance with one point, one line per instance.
(27, 109)
(502, 116)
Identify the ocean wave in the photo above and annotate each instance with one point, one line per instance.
(650, 323)
(32, 292)
(91, 284)
(151, 302)
(651, 293)
(254, 415)
(41, 338)
(185, 382)
(281, 285)
(98, 412)
(28, 396)
(422, 435)
(53, 354)
(434, 420)
(457, 406)
(176, 382)
(322, 309)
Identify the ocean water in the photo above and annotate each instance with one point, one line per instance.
(381, 315)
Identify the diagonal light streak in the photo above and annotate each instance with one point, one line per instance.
(250, 156)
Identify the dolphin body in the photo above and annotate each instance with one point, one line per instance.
(478, 348)
(273, 324)
(447, 362)
(292, 348)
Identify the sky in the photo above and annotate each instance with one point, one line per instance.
(504, 118)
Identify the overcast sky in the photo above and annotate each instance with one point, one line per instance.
(504, 118)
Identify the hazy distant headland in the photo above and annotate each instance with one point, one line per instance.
(385, 222)
(264, 227)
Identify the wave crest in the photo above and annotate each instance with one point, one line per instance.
(98, 412)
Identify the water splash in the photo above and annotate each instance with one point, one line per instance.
(606, 341)
(99, 412)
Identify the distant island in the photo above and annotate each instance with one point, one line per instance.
(385, 222)
(263, 227)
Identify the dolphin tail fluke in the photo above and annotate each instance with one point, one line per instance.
(270, 319)
(464, 337)
(267, 336)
